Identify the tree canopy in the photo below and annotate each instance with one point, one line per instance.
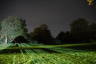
(12, 27)
(42, 34)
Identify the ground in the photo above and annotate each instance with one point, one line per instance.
(50, 54)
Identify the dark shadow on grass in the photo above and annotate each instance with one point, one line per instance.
(84, 47)
(36, 50)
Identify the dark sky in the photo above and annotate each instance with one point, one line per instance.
(58, 14)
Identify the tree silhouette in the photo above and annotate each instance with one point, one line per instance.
(61, 36)
(64, 37)
(92, 31)
(79, 30)
(42, 34)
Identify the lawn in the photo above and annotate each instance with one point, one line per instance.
(19, 54)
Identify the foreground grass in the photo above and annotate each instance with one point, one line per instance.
(49, 58)
(53, 54)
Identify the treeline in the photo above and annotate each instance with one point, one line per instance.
(15, 30)
(80, 31)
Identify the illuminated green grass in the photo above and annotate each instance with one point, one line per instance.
(42, 58)
(49, 46)
(29, 54)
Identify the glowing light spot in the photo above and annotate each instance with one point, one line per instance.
(90, 2)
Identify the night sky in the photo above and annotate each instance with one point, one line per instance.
(58, 14)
